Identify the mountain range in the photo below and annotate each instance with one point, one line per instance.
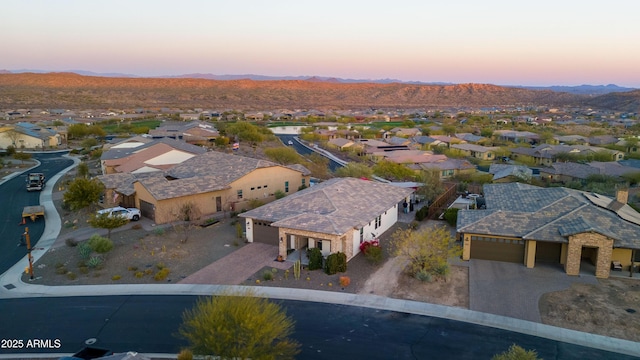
(71, 90)
(579, 89)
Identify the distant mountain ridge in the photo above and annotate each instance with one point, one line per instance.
(579, 89)
(70, 90)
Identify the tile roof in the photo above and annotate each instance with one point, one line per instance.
(116, 152)
(550, 214)
(225, 167)
(333, 207)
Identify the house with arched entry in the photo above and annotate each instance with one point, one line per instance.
(335, 216)
(528, 224)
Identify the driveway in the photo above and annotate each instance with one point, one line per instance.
(236, 267)
(513, 290)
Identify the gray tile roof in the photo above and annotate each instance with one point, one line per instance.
(224, 167)
(550, 214)
(163, 189)
(120, 153)
(333, 207)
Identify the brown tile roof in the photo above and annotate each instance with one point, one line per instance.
(332, 207)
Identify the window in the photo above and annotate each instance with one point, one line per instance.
(253, 188)
(378, 221)
(239, 194)
(259, 187)
(319, 244)
(361, 235)
(265, 186)
(304, 182)
(286, 186)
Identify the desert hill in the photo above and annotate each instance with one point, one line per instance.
(620, 101)
(68, 90)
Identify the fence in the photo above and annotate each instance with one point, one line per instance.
(443, 201)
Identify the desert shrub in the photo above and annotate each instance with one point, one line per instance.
(331, 265)
(116, 277)
(423, 275)
(59, 265)
(422, 213)
(84, 251)
(94, 262)
(279, 194)
(185, 354)
(162, 274)
(148, 272)
(160, 266)
(132, 268)
(83, 270)
(442, 270)
(315, 258)
(336, 263)
(61, 270)
(71, 242)
(239, 230)
(342, 261)
(158, 231)
(374, 254)
(139, 274)
(100, 244)
(267, 275)
(345, 281)
(451, 216)
(71, 275)
(516, 352)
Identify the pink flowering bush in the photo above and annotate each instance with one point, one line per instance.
(372, 250)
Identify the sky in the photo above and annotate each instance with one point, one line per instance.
(502, 42)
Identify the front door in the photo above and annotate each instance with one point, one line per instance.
(218, 203)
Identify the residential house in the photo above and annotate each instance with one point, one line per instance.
(395, 140)
(29, 136)
(340, 143)
(503, 173)
(447, 167)
(528, 224)
(155, 155)
(471, 138)
(564, 172)
(335, 216)
(476, 151)
(448, 140)
(403, 132)
(547, 154)
(517, 136)
(427, 142)
(214, 182)
(195, 132)
(602, 140)
(572, 140)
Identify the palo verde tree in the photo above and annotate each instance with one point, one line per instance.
(239, 325)
(104, 221)
(22, 156)
(283, 155)
(427, 250)
(356, 170)
(82, 192)
(431, 184)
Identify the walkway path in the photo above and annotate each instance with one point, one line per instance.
(236, 267)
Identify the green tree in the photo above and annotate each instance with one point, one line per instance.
(516, 352)
(104, 221)
(283, 155)
(356, 170)
(83, 192)
(77, 131)
(427, 250)
(22, 156)
(393, 171)
(431, 184)
(239, 325)
(318, 165)
(83, 170)
(88, 143)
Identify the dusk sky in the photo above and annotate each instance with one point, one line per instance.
(503, 42)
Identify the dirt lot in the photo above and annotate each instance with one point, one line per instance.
(608, 308)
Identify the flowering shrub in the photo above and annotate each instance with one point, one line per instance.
(369, 243)
(345, 281)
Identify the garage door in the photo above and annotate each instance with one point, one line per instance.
(147, 210)
(497, 249)
(263, 233)
(548, 251)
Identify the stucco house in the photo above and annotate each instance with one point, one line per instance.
(29, 136)
(476, 151)
(528, 224)
(214, 182)
(336, 215)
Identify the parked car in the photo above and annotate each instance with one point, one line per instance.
(129, 213)
(290, 142)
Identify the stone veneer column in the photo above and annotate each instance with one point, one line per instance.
(466, 247)
(282, 245)
(574, 253)
(530, 253)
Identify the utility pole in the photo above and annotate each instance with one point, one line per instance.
(28, 240)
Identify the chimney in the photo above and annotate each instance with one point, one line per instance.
(622, 195)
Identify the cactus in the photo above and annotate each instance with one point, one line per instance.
(296, 269)
(84, 250)
(94, 261)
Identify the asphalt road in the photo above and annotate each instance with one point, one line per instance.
(303, 150)
(13, 198)
(148, 324)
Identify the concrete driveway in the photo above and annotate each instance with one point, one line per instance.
(513, 290)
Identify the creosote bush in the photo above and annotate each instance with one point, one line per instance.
(100, 244)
